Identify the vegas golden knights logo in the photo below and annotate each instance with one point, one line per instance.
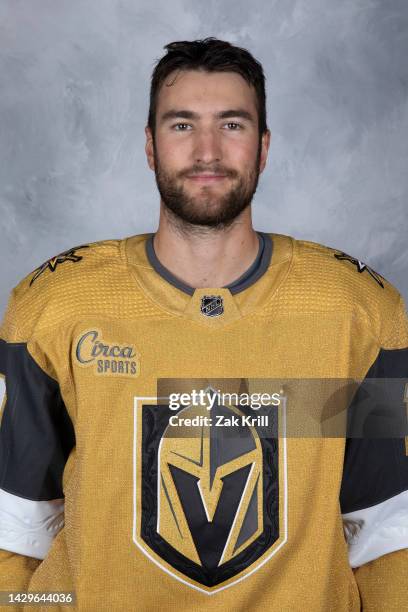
(209, 501)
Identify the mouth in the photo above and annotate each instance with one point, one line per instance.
(207, 177)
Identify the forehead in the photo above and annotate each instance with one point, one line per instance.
(207, 91)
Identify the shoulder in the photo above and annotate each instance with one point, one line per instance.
(342, 268)
(88, 255)
(69, 269)
(337, 281)
(62, 284)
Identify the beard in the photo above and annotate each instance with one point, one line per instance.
(208, 208)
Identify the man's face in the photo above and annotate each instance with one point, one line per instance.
(193, 139)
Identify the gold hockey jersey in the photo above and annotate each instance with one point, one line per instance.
(139, 467)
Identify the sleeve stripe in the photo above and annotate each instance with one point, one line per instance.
(378, 530)
(28, 527)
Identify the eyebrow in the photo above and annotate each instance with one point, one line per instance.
(187, 114)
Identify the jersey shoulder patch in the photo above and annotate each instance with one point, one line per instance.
(72, 255)
(62, 264)
(54, 289)
(340, 281)
(360, 267)
(343, 264)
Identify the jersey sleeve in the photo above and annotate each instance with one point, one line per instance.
(374, 489)
(36, 437)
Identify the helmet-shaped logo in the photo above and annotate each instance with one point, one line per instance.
(208, 507)
(211, 488)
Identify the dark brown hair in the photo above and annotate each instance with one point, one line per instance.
(210, 55)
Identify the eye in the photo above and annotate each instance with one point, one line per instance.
(177, 124)
(233, 123)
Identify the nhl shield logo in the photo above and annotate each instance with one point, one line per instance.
(212, 305)
(209, 507)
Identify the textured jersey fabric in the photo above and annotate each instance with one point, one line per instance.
(99, 496)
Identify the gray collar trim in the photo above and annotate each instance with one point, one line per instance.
(248, 278)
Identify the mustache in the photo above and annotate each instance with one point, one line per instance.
(200, 170)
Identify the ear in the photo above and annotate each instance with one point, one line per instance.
(149, 148)
(266, 141)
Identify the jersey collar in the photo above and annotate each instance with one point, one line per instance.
(210, 306)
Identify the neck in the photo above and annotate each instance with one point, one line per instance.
(206, 257)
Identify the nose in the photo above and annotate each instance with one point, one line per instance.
(207, 147)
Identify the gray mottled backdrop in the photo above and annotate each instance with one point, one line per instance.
(74, 84)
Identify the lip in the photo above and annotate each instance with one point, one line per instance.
(207, 177)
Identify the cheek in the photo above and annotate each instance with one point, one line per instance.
(174, 155)
(242, 153)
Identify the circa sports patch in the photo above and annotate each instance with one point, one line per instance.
(52, 263)
(361, 267)
(112, 358)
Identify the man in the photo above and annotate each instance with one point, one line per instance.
(126, 477)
